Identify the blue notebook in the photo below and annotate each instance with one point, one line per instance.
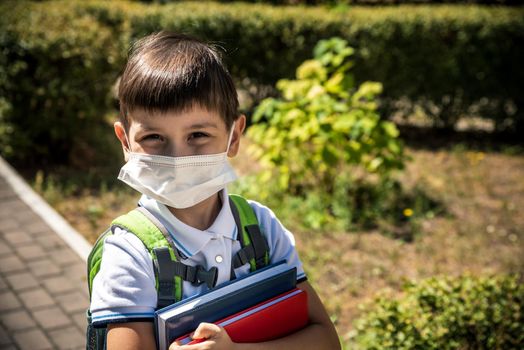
(229, 298)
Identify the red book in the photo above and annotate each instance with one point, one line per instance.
(271, 319)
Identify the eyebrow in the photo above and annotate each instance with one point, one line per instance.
(146, 128)
(203, 125)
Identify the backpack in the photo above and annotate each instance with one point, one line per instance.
(169, 269)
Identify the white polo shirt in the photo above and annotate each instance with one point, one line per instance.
(124, 288)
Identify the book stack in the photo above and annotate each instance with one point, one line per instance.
(261, 306)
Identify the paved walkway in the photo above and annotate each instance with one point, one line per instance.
(43, 293)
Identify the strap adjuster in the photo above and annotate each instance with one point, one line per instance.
(197, 275)
(189, 273)
(261, 262)
(166, 269)
(243, 257)
(209, 277)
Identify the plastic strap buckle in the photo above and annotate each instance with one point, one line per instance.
(209, 277)
(243, 256)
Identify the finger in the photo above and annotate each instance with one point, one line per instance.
(174, 346)
(205, 344)
(206, 330)
(197, 341)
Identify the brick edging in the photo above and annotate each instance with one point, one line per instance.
(62, 228)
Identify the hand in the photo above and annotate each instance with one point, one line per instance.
(216, 338)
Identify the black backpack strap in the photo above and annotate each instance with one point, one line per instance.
(255, 249)
(95, 336)
(170, 269)
(166, 269)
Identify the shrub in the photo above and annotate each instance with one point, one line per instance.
(450, 60)
(322, 143)
(446, 313)
(57, 67)
(322, 123)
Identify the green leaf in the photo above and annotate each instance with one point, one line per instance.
(312, 69)
(329, 155)
(390, 129)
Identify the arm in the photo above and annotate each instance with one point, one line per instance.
(124, 293)
(319, 334)
(131, 336)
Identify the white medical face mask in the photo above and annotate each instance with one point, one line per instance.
(178, 182)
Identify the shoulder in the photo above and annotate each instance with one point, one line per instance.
(125, 254)
(268, 221)
(124, 287)
(123, 242)
(262, 212)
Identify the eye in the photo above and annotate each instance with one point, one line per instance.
(152, 137)
(197, 135)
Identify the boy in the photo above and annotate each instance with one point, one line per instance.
(178, 125)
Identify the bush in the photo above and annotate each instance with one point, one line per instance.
(468, 62)
(446, 313)
(60, 59)
(323, 123)
(449, 60)
(323, 143)
(57, 67)
(358, 2)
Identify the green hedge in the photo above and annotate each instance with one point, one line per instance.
(358, 2)
(58, 60)
(446, 313)
(449, 57)
(57, 66)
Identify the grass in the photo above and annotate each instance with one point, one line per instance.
(481, 232)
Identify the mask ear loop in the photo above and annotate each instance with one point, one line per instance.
(127, 150)
(230, 137)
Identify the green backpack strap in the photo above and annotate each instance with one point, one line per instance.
(255, 249)
(95, 258)
(155, 237)
(164, 254)
(167, 262)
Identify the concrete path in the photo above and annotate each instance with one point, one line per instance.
(43, 289)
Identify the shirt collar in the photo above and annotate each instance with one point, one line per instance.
(188, 239)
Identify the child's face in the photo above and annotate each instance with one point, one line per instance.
(195, 131)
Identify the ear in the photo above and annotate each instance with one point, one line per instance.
(120, 133)
(240, 125)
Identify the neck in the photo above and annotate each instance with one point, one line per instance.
(202, 215)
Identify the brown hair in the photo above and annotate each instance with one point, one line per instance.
(171, 72)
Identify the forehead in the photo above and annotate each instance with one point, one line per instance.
(190, 118)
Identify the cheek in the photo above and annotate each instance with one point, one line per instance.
(136, 147)
(210, 146)
(218, 146)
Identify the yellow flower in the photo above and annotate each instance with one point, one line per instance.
(408, 212)
(480, 156)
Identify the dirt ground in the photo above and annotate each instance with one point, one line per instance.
(482, 232)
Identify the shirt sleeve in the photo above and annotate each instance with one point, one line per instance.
(124, 288)
(280, 240)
